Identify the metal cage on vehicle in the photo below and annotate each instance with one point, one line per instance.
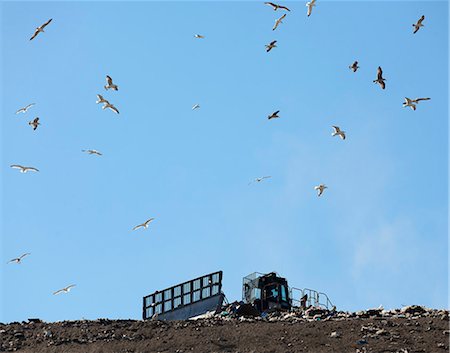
(186, 299)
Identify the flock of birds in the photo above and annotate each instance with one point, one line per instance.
(380, 80)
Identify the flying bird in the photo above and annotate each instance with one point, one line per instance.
(276, 6)
(18, 260)
(24, 169)
(64, 290)
(310, 5)
(100, 99)
(199, 36)
(339, 132)
(418, 24)
(257, 180)
(144, 225)
(380, 80)
(354, 66)
(271, 45)
(34, 123)
(409, 103)
(40, 29)
(25, 109)
(110, 84)
(320, 188)
(413, 102)
(278, 21)
(92, 152)
(196, 106)
(273, 115)
(108, 105)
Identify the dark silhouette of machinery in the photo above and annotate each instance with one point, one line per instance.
(261, 293)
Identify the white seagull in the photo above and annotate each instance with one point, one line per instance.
(278, 21)
(257, 180)
(413, 102)
(320, 188)
(199, 36)
(110, 106)
(380, 80)
(196, 106)
(354, 66)
(92, 152)
(276, 6)
(339, 132)
(25, 109)
(110, 84)
(18, 260)
(34, 123)
(100, 99)
(24, 169)
(40, 29)
(418, 24)
(273, 115)
(64, 290)
(144, 225)
(310, 5)
(271, 45)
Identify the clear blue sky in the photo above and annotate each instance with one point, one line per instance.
(378, 235)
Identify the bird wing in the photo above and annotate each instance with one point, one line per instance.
(109, 80)
(421, 99)
(71, 286)
(58, 291)
(283, 7)
(276, 113)
(309, 4)
(46, 23)
(342, 135)
(382, 84)
(100, 97)
(35, 34)
(21, 110)
(32, 169)
(17, 166)
(266, 177)
(271, 4)
(114, 109)
(420, 20)
(29, 106)
(13, 260)
(379, 73)
(336, 129)
(148, 221)
(137, 227)
(23, 255)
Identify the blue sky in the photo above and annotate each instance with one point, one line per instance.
(378, 235)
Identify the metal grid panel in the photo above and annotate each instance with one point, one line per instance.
(182, 294)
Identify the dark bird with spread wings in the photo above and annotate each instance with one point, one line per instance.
(418, 24)
(271, 45)
(40, 29)
(34, 123)
(276, 6)
(18, 260)
(380, 80)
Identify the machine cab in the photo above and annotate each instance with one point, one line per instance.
(266, 291)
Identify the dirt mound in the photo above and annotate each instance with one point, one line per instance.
(412, 329)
